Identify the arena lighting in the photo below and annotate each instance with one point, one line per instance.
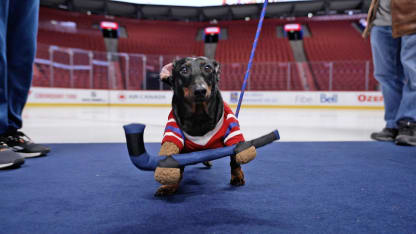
(212, 30)
(292, 27)
(198, 3)
(109, 25)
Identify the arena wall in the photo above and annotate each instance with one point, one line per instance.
(252, 99)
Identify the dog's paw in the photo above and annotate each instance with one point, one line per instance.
(237, 177)
(168, 176)
(236, 181)
(166, 190)
(208, 164)
(246, 155)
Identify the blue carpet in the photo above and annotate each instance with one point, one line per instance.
(291, 187)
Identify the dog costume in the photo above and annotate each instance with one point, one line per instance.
(226, 133)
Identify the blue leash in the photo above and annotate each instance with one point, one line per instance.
(253, 51)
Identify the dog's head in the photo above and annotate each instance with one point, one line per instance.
(197, 103)
(194, 79)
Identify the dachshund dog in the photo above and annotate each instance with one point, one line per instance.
(199, 119)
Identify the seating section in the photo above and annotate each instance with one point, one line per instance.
(266, 73)
(71, 40)
(151, 44)
(153, 37)
(240, 41)
(41, 71)
(263, 76)
(54, 29)
(342, 49)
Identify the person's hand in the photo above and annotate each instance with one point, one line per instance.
(166, 71)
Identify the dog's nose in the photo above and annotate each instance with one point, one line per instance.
(200, 92)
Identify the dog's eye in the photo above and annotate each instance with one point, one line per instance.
(208, 69)
(184, 70)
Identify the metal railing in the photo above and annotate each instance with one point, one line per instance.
(77, 68)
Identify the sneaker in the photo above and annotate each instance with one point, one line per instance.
(407, 133)
(23, 145)
(8, 158)
(387, 134)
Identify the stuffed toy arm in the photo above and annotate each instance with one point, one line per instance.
(168, 148)
(168, 176)
(246, 155)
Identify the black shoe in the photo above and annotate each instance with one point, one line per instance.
(8, 158)
(22, 144)
(407, 133)
(387, 134)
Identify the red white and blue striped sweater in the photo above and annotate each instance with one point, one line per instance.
(227, 132)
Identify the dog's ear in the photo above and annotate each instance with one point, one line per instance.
(168, 81)
(176, 63)
(166, 75)
(174, 70)
(217, 69)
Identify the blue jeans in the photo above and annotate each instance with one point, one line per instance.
(395, 69)
(18, 29)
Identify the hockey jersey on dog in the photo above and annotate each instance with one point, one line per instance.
(226, 132)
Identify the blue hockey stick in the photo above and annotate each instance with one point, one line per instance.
(144, 161)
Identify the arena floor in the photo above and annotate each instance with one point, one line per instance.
(325, 176)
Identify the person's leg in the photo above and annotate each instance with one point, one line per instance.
(21, 49)
(387, 70)
(386, 58)
(4, 123)
(408, 60)
(8, 158)
(406, 117)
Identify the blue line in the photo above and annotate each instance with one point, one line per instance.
(253, 50)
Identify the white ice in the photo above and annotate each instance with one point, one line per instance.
(104, 124)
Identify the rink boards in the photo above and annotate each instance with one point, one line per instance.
(261, 99)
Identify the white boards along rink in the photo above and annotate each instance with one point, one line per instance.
(252, 99)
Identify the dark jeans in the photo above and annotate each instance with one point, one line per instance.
(18, 30)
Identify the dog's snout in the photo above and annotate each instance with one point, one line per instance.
(200, 91)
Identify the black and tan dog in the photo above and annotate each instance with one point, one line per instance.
(199, 119)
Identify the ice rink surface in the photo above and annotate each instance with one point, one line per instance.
(104, 124)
